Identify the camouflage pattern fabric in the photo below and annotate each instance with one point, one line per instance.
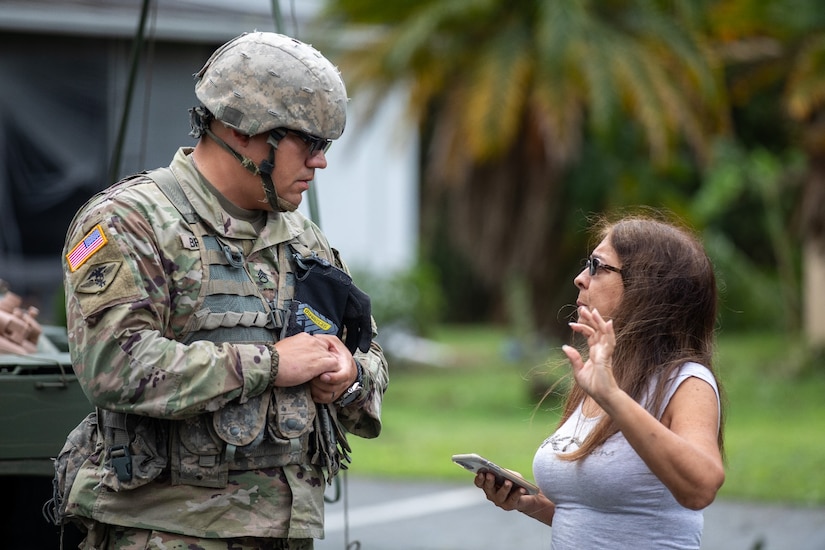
(130, 304)
(126, 538)
(277, 82)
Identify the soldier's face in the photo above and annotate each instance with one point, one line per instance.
(295, 165)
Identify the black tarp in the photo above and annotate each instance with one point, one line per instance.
(52, 140)
(53, 135)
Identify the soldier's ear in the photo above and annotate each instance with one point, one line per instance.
(240, 139)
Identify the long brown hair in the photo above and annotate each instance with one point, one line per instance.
(667, 315)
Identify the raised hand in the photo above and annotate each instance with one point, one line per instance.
(595, 376)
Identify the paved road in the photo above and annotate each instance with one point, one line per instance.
(395, 515)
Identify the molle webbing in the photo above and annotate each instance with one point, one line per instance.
(232, 309)
(272, 429)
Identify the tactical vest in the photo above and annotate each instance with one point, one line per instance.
(281, 426)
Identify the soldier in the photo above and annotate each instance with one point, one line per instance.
(213, 326)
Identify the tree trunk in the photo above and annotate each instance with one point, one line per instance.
(814, 292)
(813, 233)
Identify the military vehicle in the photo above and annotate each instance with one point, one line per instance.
(40, 403)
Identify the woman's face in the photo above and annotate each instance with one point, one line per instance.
(604, 289)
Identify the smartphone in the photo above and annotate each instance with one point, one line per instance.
(476, 463)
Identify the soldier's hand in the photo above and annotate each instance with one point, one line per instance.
(330, 385)
(303, 357)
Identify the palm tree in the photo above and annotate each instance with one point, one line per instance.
(507, 91)
(805, 101)
(781, 45)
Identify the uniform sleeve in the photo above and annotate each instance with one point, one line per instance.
(363, 416)
(119, 292)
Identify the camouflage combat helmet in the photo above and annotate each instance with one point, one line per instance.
(260, 81)
(265, 82)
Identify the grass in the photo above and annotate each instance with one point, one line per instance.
(482, 403)
(776, 421)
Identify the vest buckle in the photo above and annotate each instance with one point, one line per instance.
(122, 462)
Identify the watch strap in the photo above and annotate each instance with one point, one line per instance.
(354, 391)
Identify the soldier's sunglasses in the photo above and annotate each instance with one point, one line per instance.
(315, 144)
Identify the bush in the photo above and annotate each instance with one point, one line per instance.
(411, 300)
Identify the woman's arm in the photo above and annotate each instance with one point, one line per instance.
(682, 449)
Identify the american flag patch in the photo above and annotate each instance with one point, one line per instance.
(84, 250)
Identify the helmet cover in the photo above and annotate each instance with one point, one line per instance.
(260, 81)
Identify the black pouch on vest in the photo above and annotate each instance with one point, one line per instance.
(327, 302)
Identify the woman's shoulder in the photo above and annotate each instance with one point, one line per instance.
(694, 370)
(686, 371)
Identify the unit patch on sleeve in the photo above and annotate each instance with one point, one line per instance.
(85, 249)
(99, 277)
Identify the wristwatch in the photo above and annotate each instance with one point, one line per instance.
(353, 392)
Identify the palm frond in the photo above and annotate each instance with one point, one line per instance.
(806, 82)
(497, 92)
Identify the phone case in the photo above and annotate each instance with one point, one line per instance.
(476, 463)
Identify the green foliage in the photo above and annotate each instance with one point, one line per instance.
(410, 299)
(507, 94)
(748, 294)
(481, 403)
(744, 204)
(496, 63)
(613, 104)
(776, 416)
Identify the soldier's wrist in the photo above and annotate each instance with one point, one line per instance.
(363, 378)
(274, 359)
(356, 390)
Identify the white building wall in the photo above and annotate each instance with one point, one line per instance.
(368, 194)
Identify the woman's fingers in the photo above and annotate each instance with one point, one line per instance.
(505, 496)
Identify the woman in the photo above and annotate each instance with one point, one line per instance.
(638, 452)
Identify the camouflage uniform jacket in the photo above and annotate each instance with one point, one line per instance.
(130, 304)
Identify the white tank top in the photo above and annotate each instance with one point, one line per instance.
(611, 499)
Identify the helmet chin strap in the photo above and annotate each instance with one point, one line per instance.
(264, 170)
(267, 166)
